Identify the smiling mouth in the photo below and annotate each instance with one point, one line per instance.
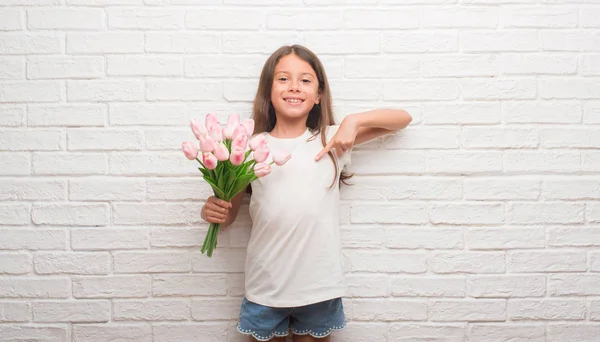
(294, 101)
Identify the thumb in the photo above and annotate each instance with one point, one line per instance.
(325, 149)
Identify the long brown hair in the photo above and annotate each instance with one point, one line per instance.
(319, 117)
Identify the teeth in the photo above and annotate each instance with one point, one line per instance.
(293, 100)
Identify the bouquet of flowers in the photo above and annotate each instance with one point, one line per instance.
(224, 158)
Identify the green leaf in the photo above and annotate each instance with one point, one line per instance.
(218, 192)
(241, 183)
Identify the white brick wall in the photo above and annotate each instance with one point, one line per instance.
(479, 223)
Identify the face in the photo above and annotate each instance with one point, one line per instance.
(295, 88)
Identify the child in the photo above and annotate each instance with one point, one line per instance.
(294, 278)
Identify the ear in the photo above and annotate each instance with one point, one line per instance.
(318, 100)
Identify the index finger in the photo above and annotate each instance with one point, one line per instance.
(221, 202)
(325, 149)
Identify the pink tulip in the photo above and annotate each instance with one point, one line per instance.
(211, 120)
(258, 141)
(190, 151)
(281, 157)
(249, 126)
(209, 160)
(237, 156)
(198, 128)
(215, 132)
(221, 152)
(239, 130)
(261, 154)
(240, 142)
(207, 144)
(232, 122)
(262, 169)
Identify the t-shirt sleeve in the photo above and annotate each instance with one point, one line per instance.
(345, 159)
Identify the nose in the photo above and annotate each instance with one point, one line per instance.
(293, 86)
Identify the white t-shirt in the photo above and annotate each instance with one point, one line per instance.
(294, 255)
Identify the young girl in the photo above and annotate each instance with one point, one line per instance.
(294, 278)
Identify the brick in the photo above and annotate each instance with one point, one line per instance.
(594, 314)
(362, 331)
(15, 214)
(215, 309)
(104, 139)
(182, 90)
(71, 263)
(109, 238)
(177, 237)
(53, 67)
(12, 68)
(12, 115)
(242, 43)
(11, 19)
(538, 64)
(381, 19)
(507, 332)
(111, 332)
(112, 286)
(387, 310)
(38, 91)
(146, 18)
(590, 65)
(407, 42)
(105, 42)
(426, 90)
(66, 19)
(27, 44)
(70, 214)
(408, 332)
(362, 237)
(590, 161)
(151, 262)
(189, 332)
(367, 285)
(81, 311)
(498, 41)
(265, 2)
(148, 114)
(380, 67)
(32, 189)
(580, 236)
(570, 40)
(459, 66)
(107, 189)
(177, 189)
(504, 238)
(539, 17)
(398, 187)
(594, 262)
(166, 139)
(33, 332)
(105, 90)
(423, 138)
(240, 90)
(573, 284)
(223, 261)
(503, 286)
(491, 188)
(534, 161)
(27, 140)
(588, 17)
(183, 42)
(32, 239)
(546, 309)
(15, 263)
(505, 89)
(27, 287)
(569, 89)
(225, 19)
(14, 312)
(428, 286)
(235, 284)
(342, 42)
(499, 138)
(304, 19)
(593, 212)
(467, 262)
(581, 188)
(460, 17)
(542, 112)
(349, 90)
(464, 162)
(103, 3)
(386, 261)
(151, 310)
(377, 213)
(189, 285)
(546, 261)
(224, 66)
(426, 238)
(467, 310)
(69, 163)
(144, 66)
(160, 213)
(548, 212)
(571, 138)
(579, 332)
(127, 163)
(66, 115)
(464, 113)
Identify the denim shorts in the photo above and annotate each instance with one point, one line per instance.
(264, 322)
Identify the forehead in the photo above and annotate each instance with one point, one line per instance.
(293, 64)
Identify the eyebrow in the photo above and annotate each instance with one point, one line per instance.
(287, 72)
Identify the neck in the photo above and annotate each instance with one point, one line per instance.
(289, 128)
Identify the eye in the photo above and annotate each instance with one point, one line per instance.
(306, 81)
(283, 79)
